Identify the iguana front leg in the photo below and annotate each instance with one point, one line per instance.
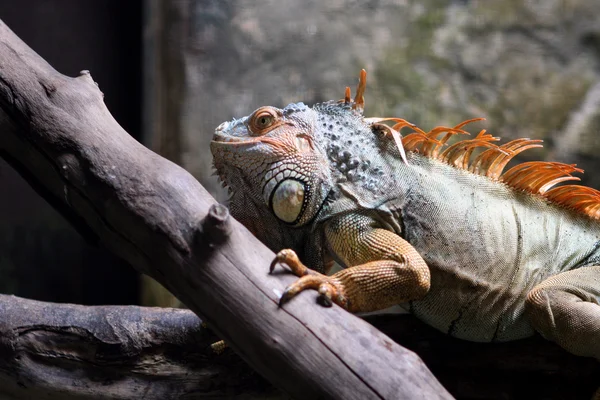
(384, 269)
(565, 309)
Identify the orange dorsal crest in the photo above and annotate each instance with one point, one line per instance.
(537, 177)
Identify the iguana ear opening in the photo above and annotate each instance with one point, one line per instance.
(287, 201)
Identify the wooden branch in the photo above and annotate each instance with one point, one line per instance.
(58, 134)
(65, 351)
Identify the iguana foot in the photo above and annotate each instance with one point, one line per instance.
(370, 286)
(329, 288)
(565, 308)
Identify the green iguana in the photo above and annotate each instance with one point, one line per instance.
(477, 253)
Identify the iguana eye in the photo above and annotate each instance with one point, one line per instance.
(262, 119)
(288, 200)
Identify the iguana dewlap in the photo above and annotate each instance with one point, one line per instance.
(477, 253)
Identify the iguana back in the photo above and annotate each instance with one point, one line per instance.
(487, 246)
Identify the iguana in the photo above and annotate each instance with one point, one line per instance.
(473, 251)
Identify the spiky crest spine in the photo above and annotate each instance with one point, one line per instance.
(536, 177)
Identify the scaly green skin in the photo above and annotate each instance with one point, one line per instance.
(466, 254)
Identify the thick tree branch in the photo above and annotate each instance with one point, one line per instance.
(65, 351)
(57, 132)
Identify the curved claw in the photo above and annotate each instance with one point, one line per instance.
(289, 258)
(273, 264)
(285, 297)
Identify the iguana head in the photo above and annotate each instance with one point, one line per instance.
(290, 161)
(272, 156)
(279, 158)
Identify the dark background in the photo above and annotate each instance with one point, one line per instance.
(41, 256)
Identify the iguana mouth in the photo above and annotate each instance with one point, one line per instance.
(226, 139)
(234, 141)
(220, 138)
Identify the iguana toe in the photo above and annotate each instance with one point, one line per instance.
(290, 258)
(330, 294)
(329, 290)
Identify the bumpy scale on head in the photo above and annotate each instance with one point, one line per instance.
(351, 147)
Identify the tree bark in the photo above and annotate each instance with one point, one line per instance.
(64, 351)
(58, 134)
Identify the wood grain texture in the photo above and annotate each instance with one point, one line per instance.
(65, 351)
(59, 135)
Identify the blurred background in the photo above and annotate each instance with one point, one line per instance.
(171, 71)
